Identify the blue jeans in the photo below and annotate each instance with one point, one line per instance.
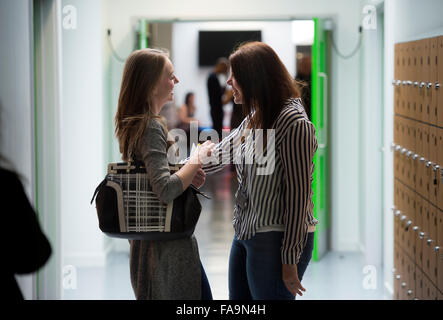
(255, 267)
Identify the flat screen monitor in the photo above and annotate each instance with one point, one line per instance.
(216, 44)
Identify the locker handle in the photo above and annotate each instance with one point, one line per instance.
(429, 241)
(398, 82)
(428, 164)
(436, 248)
(422, 159)
(408, 224)
(397, 213)
(393, 145)
(403, 218)
(404, 82)
(437, 85)
(409, 292)
(397, 277)
(416, 84)
(397, 148)
(422, 84)
(408, 154)
(403, 151)
(429, 85)
(422, 235)
(403, 284)
(415, 228)
(409, 82)
(414, 157)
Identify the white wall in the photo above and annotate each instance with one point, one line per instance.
(405, 20)
(121, 17)
(81, 126)
(371, 140)
(185, 56)
(16, 99)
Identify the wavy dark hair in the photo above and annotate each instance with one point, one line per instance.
(264, 81)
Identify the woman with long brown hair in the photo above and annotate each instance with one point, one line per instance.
(166, 270)
(273, 216)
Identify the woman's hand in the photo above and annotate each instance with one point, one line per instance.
(199, 178)
(203, 153)
(290, 278)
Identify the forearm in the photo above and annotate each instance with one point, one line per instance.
(187, 172)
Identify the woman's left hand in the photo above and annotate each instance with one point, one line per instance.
(199, 178)
(290, 278)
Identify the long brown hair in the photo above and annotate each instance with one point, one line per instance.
(142, 72)
(264, 81)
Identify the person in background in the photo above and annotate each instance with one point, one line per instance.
(273, 215)
(159, 270)
(185, 115)
(218, 95)
(26, 247)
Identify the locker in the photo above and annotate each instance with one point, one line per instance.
(431, 244)
(424, 237)
(433, 292)
(415, 78)
(439, 214)
(410, 287)
(406, 227)
(440, 80)
(426, 290)
(418, 284)
(419, 231)
(440, 162)
(433, 77)
(426, 79)
(433, 144)
(406, 89)
(422, 74)
(402, 75)
(440, 251)
(426, 141)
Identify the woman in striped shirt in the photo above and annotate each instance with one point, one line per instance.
(273, 216)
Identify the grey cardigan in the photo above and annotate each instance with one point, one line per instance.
(163, 270)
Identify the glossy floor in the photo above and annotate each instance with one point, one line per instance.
(338, 275)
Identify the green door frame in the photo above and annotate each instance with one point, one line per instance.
(320, 120)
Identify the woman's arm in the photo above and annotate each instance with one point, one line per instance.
(153, 149)
(297, 152)
(224, 151)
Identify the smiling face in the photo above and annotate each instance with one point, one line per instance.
(238, 96)
(165, 88)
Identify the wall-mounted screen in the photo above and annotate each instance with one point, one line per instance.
(216, 44)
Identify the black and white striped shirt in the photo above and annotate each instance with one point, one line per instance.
(280, 192)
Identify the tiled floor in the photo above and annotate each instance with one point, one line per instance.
(338, 275)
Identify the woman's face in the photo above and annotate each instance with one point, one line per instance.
(165, 88)
(238, 96)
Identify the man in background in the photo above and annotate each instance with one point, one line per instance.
(218, 95)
